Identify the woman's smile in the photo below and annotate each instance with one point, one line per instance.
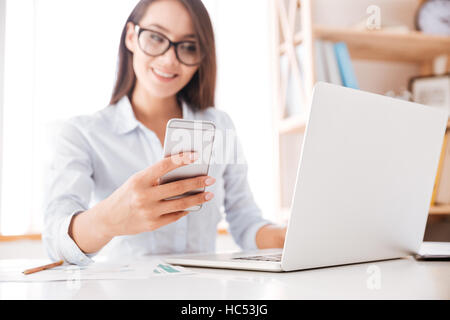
(163, 76)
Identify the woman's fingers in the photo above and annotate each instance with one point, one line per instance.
(159, 169)
(184, 203)
(182, 186)
(168, 218)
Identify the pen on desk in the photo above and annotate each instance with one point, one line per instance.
(41, 268)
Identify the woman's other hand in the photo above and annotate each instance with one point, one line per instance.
(270, 236)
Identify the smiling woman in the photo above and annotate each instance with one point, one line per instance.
(52, 74)
(199, 93)
(104, 179)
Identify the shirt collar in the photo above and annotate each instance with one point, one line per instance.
(125, 120)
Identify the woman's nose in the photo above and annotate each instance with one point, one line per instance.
(170, 56)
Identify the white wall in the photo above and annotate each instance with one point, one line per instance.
(244, 86)
(347, 13)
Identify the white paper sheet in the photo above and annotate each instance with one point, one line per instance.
(11, 271)
(435, 249)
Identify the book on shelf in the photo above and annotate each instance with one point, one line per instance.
(332, 67)
(332, 64)
(345, 65)
(321, 66)
(443, 185)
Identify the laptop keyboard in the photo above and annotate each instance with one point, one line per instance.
(271, 257)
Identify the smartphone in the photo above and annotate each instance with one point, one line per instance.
(188, 136)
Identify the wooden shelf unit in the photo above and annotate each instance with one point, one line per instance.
(415, 47)
(412, 47)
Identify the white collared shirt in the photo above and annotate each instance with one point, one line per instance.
(95, 154)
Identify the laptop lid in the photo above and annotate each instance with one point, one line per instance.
(365, 178)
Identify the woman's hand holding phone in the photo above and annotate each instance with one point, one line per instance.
(143, 203)
(139, 205)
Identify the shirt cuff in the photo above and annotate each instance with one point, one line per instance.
(67, 246)
(249, 240)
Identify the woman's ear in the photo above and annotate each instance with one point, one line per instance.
(130, 38)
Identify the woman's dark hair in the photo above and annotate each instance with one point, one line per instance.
(200, 91)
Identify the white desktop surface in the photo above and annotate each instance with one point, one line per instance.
(394, 279)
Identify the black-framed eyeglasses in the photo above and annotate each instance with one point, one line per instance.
(154, 44)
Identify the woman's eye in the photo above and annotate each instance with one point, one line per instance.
(156, 38)
(189, 47)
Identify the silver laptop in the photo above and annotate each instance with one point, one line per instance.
(364, 184)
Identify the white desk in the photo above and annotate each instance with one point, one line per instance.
(398, 279)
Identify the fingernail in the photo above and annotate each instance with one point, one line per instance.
(209, 196)
(210, 181)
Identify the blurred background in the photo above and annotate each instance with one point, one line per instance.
(58, 59)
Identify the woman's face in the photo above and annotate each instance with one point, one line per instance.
(162, 76)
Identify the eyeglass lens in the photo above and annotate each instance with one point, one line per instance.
(155, 44)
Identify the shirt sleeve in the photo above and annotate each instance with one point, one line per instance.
(242, 213)
(67, 192)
